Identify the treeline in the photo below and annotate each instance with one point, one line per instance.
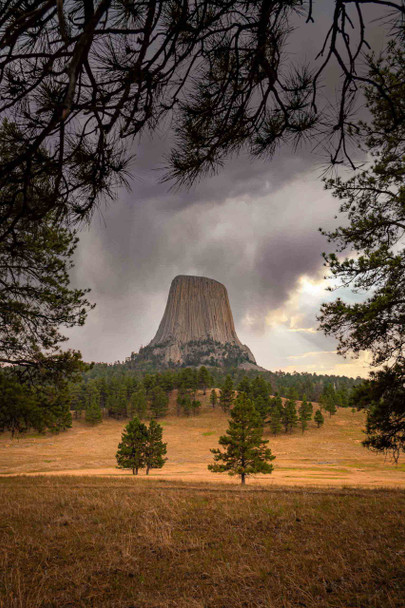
(125, 395)
(119, 392)
(289, 385)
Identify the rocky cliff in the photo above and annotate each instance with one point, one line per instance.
(197, 328)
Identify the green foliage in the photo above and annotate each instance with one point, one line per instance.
(318, 418)
(328, 400)
(141, 447)
(289, 416)
(38, 407)
(124, 392)
(383, 397)
(275, 420)
(305, 414)
(373, 201)
(226, 395)
(36, 298)
(204, 379)
(213, 398)
(245, 452)
(93, 411)
(131, 450)
(139, 403)
(155, 449)
(159, 402)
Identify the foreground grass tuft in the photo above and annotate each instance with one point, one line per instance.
(124, 543)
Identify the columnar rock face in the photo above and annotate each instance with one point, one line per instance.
(197, 327)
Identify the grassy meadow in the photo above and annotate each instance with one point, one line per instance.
(330, 455)
(325, 529)
(132, 543)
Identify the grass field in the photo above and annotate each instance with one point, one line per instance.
(137, 543)
(331, 455)
(300, 537)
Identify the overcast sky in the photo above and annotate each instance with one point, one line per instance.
(253, 227)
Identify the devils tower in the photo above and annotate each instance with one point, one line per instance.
(197, 328)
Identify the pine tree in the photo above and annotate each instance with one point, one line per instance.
(244, 386)
(289, 416)
(131, 450)
(204, 379)
(319, 419)
(155, 449)
(159, 402)
(139, 402)
(227, 394)
(245, 451)
(262, 405)
(305, 413)
(195, 407)
(213, 398)
(328, 400)
(93, 411)
(275, 420)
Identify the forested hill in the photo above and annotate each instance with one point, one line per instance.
(290, 385)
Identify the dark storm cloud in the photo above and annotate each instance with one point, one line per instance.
(252, 227)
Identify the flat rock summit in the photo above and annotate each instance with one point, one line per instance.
(197, 328)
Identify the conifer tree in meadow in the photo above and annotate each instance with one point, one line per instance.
(213, 398)
(305, 413)
(155, 449)
(275, 420)
(93, 413)
(289, 416)
(328, 400)
(318, 418)
(204, 379)
(227, 394)
(131, 449)
(245, 452)
(159, 402)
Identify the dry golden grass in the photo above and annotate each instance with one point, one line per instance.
(132, 543)
(331, 455)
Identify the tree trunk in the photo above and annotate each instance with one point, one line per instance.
(147, 470)
(242, 478)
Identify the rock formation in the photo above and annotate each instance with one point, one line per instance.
(197, 328)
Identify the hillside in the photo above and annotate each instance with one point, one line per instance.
(331, 455)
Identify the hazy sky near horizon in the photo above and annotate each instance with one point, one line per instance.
(253, 227)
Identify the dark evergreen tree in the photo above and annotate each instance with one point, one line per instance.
(227, 394)
(305, 414)
(195, 407)
(372, 234)
(275, 420)
(383, 397)
(262, 405)
(24, 407)
(244, 386)
(318, 418)
(139, 402)
(131, 450)
(245, 452)
(289, 416)
(213, 398)
(204, 379)
(159, 402)
(93, 413)
(155, 449)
